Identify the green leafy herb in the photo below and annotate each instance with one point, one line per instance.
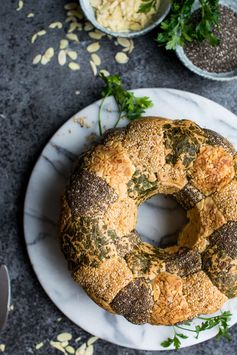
(179, 27)
(208, 323)
(128, 104)
(147, 5)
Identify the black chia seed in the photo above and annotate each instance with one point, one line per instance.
(220, 58)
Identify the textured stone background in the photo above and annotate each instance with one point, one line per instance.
(34, 102)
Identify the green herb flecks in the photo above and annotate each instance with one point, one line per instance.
(147, 5)
(179, 28)
(221, 321)
(129, 106)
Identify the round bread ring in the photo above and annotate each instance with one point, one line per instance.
(105, 255)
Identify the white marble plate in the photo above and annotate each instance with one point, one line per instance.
(158, 217)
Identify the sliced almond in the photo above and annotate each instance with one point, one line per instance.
(81, 349)
(31, 14)
(73, 26)
(64, 343)
(2, 347)
(49, 53)
(92, 340)
(39, 345)
(95, 35)
(93, 47)
(88, 26)
(64, 336)
(41, 33)
(93, 67)
(75, 13)
(72, 37)
(62, 57)
(96, 59)
(37, 59)
(34, 37)
(121, 58)
(72, 54)
(70, 19)
(20, 5)
(57, 345)
(56, 25)
(63, 44)
(74, 66)
(70, 349)
(105, 72)
(71, 6)
(124, 42)
(131, 48)
(89, 350)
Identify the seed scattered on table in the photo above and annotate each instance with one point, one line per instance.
(56, 25)
(62, 57)
(71, 6)
(2, 347)
(93, 67)
(88, 26)
(92, 340)
(63, 44)
(72, 54)
(121, 58)
(31, 14)
(64, 336)
(37, 59)
(70, 349)
(105, 72)
(124, 42)
(74, 66)
(57, 345)
(96, 59)
(20, 5)
(95, 35)
(72, 37)
(93, 47)
(39, 345)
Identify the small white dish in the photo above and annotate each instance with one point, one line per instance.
(158, 18)
(225, 76)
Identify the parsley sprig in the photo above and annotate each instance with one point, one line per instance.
(179, 28)
(129, 106)
(207, 323)
(147, 5)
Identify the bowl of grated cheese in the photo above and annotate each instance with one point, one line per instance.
(125, 18)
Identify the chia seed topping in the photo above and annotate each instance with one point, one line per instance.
(220, 58)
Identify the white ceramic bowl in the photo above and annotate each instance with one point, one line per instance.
(161, 14)
(225, 76)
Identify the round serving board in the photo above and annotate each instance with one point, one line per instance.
(158, 218)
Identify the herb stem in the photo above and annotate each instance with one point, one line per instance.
(99, 116)
(183, 328)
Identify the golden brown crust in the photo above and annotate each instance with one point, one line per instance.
(99, 214)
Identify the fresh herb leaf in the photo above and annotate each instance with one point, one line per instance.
(128, 104)
(147, 5)
(178, 28)
(222, 321)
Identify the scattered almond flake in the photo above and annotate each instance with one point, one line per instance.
(121, 58)
(81, 350)
(96, 59)
(37, 59)
(105, 72)
(59, 319)
(71, 6)
(77, 339)
(95, 35)
(64, 337)
(39, 345)
(75, 13)
(41, 33)
(62, 57)
(72, 37)
(72, 54)
(57, 345)
(70, 19)
(49, 53)
(93, 47)
(124, 42)
(2, 347)
(77, 92)
(92, 340)
(131, 46)
(11, 307)
(73, 26)
(74, 66)
(65, 343)
(56, 25)
(44, 60)
(93, 67)
(70, 349)
(63, 44)
(33, 38)
(89, 350)
(20, 5)
(30, 15)
(88, 26)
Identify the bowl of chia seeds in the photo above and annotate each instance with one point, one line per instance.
(215, 62)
